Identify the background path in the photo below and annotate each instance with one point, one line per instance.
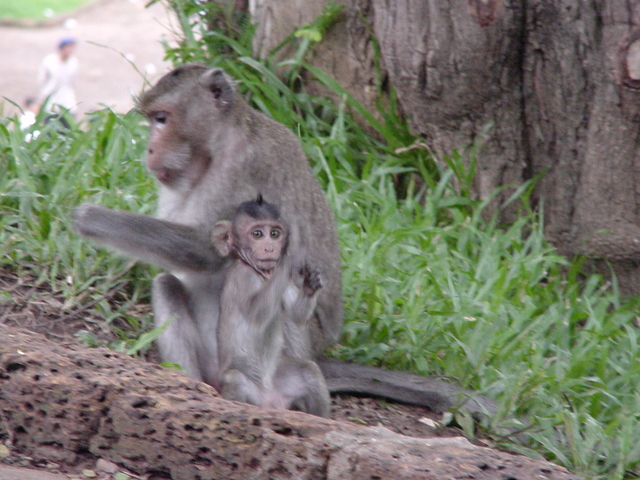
(123, 27)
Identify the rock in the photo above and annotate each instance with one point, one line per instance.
(60, 401)
(106, 466)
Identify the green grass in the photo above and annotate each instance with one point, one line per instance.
(45, 178)
(432, 283)
(37, 9)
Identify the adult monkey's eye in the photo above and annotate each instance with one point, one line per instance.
(160, 117)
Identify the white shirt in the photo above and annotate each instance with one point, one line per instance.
(27, 119)
(56, 78)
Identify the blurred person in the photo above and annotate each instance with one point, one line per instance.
(56, 75)
(29, 113)
(29, 117)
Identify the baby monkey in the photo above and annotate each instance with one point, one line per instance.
(260, 278)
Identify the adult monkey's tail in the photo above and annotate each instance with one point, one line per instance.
(435, 394)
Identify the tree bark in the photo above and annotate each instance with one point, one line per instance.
(456, 68)
(582, 111)
(60, 402)
(346, 52)
(558, 80)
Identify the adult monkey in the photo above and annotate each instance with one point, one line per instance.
(210, 152)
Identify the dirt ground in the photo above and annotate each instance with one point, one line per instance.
(111, 35)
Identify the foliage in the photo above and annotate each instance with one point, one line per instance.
(47, 170)
(433, 284)
(37, 9)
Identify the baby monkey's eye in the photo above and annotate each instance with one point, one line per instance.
(257, 234)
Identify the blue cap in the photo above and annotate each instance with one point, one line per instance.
(66, 41)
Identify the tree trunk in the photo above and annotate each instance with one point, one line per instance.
(558, 80)
(346, 52)
(582, 113)
(457, 70)
(58, 403)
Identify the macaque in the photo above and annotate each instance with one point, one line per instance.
(210, 152)
(252, 314)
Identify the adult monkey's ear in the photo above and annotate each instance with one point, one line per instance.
(221, 87)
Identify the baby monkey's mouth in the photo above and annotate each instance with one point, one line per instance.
(266, 267)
